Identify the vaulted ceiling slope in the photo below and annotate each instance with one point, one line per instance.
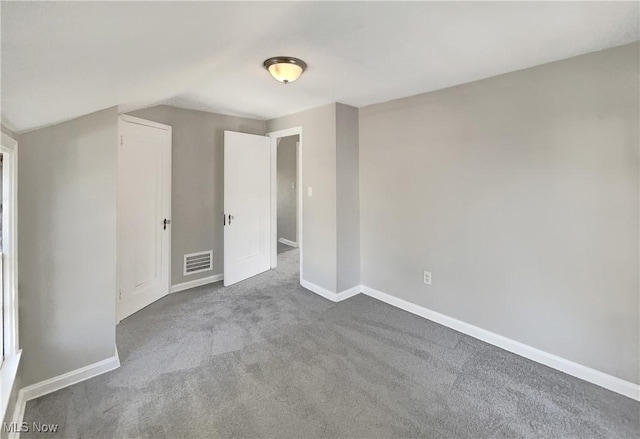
(61, 60)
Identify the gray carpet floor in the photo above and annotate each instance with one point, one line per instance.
(282, 248)
(267, 358)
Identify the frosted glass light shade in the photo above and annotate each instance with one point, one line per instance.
(285, 69)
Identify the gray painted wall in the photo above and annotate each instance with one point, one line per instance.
(520, 194)
(67, 245)
(286, 188)
(197, 181)
(348, 197)
(319, 172)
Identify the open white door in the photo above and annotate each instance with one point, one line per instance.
(247, 205)
(144, 213)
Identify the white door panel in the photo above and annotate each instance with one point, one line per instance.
(247, 205)
(144, 202)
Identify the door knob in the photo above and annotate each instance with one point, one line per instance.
(165, 223)
(230, 218)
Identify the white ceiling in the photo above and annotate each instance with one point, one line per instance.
(61, 60)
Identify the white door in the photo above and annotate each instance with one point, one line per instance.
(144, 213)
(247, 205)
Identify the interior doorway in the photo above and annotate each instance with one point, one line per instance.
(286, 182)
(286, 197)
(144, 214)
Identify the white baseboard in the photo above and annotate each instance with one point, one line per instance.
(196, 283)
(65, 380)
(334, 297)
(585, 373)
(60, 382)
(343, 295)
(287, 242)
(319, 290)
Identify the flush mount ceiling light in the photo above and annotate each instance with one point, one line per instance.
(285, 68)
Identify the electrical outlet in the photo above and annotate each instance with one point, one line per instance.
(427, 277)
(309, 191)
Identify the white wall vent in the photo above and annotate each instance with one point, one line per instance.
(198, 262)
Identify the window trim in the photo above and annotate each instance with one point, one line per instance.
(12, 353)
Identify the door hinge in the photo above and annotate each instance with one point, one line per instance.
(121, 140)
(120, 294)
